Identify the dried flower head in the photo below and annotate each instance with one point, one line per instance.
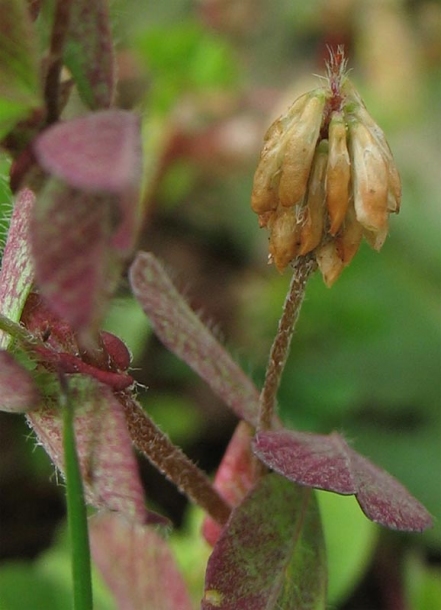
(326, 177)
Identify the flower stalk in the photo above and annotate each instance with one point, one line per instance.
(326, 178)
(303, 269)
(172, 462)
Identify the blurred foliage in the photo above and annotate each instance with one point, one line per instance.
(46, 582)
(366, 356)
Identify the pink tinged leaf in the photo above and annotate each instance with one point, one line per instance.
(137, 565)
(384, 500)
(314, 460)
(108, 465)
(70, 242)
(183, 333)
(270, 554)
(18, 392)
(327, 462)
(16, 275)
(100, 153)
(89, 52)
(235, 476)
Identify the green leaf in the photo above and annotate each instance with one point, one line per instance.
(423, 584)
(19, 70)
(46, 582)
(76, 512)
(350, 542)
(185, 57)
(270, 554)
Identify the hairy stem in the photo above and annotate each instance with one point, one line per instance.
(172, 462)
(17, 332)
(302, 270)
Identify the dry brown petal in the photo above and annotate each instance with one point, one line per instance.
(369, 178)
(338, 173)
(299, 151)
(376, 239)
(394, 180)
(329, 263)
(312, 227)
(284, 237)
(394, 194)
(264, 197)
(348, 240)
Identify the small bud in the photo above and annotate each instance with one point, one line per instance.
(338, 173)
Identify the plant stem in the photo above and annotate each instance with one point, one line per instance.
(302, 270)
(60, 29)
(76, 510)
(17, 332)
(172, 462)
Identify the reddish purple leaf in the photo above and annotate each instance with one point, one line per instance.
(314, 460)
(70, 236)
(327, 462)
(235, 476)
(270, 555)
(16, 275)
(183, 333)
(137, 565)
(109, 468)
(99, 152)
(384, 500)
(18, 392)
(89, 52)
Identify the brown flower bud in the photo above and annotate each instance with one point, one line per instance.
(325, 178)
(284, 241)
(349, 237)
(338, 173)
(312, 227)
(369, 178)
(299, 150)
(329, 262)
(264, 197)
